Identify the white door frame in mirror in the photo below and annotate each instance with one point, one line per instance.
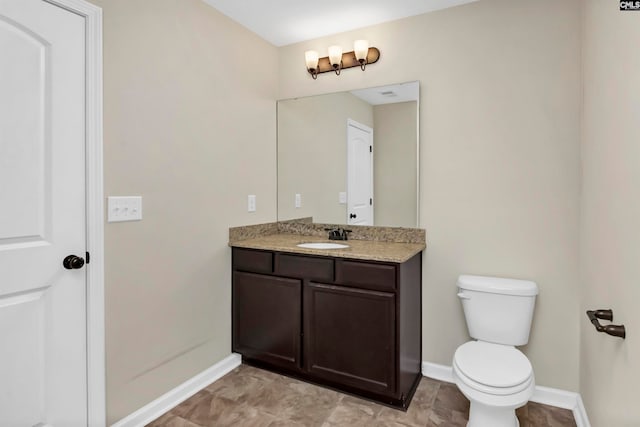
(96, 391)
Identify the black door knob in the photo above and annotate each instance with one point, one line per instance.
(73, 262)
(352, 216)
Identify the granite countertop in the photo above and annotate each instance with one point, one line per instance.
(358, 249)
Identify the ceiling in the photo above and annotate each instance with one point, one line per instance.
(283, 22)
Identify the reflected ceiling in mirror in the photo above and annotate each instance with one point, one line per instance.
(350, 157)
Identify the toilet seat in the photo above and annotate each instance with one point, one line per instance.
(493, 368)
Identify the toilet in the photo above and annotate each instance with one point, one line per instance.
(490, 371)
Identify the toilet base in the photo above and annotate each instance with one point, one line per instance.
(491, 416)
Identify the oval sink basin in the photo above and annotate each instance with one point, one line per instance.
(322, 245)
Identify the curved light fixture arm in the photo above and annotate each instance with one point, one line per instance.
(338, 68)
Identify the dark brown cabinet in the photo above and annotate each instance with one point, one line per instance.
(349, 324)
(338, 346)
(266, 318)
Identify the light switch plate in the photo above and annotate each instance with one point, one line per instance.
(342, 197)
(251, 203)
(124, 208)
(298, 200)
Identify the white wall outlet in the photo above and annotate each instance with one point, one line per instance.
(342, 197)
(127, 208)
(298, 200)
(251, 203)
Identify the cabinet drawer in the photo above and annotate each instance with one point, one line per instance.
(252, 260)
(304, 267)
(366, 275)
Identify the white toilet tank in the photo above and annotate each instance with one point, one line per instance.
(498, 310)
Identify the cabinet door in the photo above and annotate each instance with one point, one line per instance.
(266, 318)
(350, 337)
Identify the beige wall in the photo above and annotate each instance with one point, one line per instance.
(395, 164)
(610, 226)
(190, 126)
(312, 154)
(500, 131)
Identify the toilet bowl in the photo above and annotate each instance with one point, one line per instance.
(490, 371)
(496, 379)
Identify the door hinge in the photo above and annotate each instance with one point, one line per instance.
(370, 202)
(87, 258)
(371, 148)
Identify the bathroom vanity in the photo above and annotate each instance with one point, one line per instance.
(347, 318)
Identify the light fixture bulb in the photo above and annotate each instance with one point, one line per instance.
(311, 59)
(361, 49)
(335, 56)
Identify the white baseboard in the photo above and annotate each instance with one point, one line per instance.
(174, 397)
(555, 397)
(545, 395)
(580, 414)
(437, 372)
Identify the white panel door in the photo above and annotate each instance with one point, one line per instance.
(43, 368)
(359, 174)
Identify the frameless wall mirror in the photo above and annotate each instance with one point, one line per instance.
(350, 157)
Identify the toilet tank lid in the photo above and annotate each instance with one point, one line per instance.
(498, 285)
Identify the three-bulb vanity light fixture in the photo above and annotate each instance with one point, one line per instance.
(337, 61)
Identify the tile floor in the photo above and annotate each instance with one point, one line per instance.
(249, 396)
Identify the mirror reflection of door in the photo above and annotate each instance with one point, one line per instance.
(359, 174)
